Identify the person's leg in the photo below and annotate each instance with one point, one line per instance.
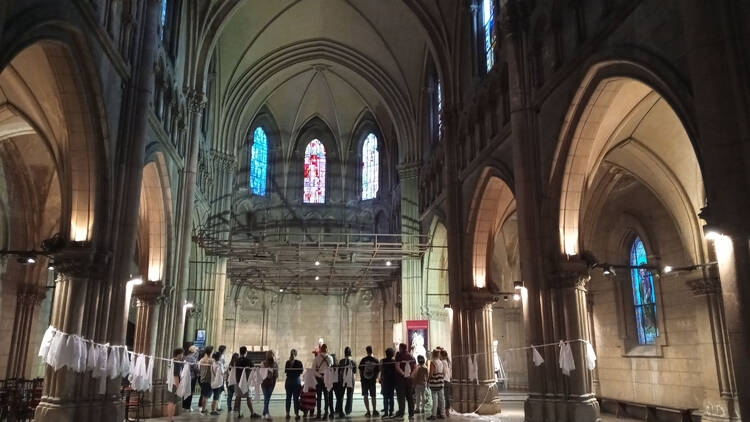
(373, 397)
(365, 393)
(289, 391)
(410, 398)
(440, 405)
(400, 387)
(349, 398)
(339, 394)
(238, 403)
(170, 411)
(447, 397)
(319, 394)
(230, 396)
(266, 398)
(295, 397)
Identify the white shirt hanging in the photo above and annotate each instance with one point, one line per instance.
(170, 375)
(54, 350)
(68, 354)
(217, 378)
(330, 377)
(348, 377)
(137, 376)
(243, 384)
(124, 361)
(49, 334)
(538, 359)
(113, 363)
(407, 368)
(567, 364)
(590, 356)
(500, 373)
(92, 357)
(185, 389)
(473, 371)
(149, 374)
(231, 376)
(308, 379)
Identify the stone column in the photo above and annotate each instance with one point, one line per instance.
(147, 308)
(28, 297)
(472, 335)
(720, 401)
(411, 269)
(81, 306)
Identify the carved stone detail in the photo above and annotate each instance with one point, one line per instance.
(30, 295)
(196, 100)
(81, 262)
(705, 286)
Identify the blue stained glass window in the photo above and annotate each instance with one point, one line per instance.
(315, 173)
(163, 19)
(439, 100)
(370, 167)
(490, 37)
(259, 162)
(644, 298)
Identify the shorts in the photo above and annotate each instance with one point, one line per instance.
(217, 392)
(368, 386)
(206, 390)
(173, 398)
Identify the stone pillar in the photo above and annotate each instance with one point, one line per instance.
(147, 308)
(81, 306)
(28, 297)
(472, 335)
(720, 400)
(411, 268)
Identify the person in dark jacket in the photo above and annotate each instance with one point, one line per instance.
(244, 364)
(293, 370)
(387, 382)
(345, 384)
(369, 368)
(192, 360)
(405, 366)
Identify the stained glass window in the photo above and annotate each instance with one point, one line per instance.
(643, 295)
(439, 101)
(370, 167)
(259, 162)
(490, 37)
(315, 173)
(163, 19)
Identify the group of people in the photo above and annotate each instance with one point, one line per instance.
(311, 390)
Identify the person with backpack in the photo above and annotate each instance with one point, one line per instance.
(388, 382)
(346, 371)
(368, 374)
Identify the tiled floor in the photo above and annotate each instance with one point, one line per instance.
(512, 411)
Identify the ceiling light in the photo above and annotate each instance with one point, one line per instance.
(713, 235)
(281, 290)
(517, 285)
(387, 263)
(446, 306)
(317, 277)
(668, 269)
(516, 297)
(188, 305)
(30, 260)
(317, 263)
(51, 267)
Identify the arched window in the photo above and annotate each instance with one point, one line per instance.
(439, 106)
(644, 299)
(315, 173)
(490, 36)
(370, 166)
(163, 19)
(259, 162)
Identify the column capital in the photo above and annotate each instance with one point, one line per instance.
(31, 294)
(703, 286)
(148, 292)
(81, 261)
(196, 100)
(573, 274)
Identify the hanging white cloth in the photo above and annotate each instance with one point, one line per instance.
(538, 359)
(184, 390)
(231, 376)
(590, 356)
(149, 374)
(500, 373)
(257, 376)
(348, 377)
(49, 334)
(100, 371)
(91, 357)
(137, 376)
(68, 356)
(330, 377)
(243, 384)
(407, 369)
(113, 363)
(567, 364)
(308, 380)
(217, 378)
(124, 361)
(472, 370)
(54, 350)
(170, 375)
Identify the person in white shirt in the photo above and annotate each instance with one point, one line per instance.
(446, 380)
(320, 365)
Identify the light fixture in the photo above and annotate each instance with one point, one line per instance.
(188, 305)
(667, 269)
(517, 285)
(51, 266)
(713, 235)
(30, 260)
(317, 277)
(317, 263)
(516, 297)
(609, 270)
(136, 281)
(505, 298)
(281, 290)
(387, 263)
(447, 306)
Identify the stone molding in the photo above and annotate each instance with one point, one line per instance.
(148, 292)
(573, 274)
(81, 262)
(196, 100)
(31, 295)
(704, 286)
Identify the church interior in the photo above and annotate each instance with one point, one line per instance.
(555, 192)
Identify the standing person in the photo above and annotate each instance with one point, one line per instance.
(269, 382)
(368, 375)
(223, 362)
(172, 397)
(192, 360)
(205, 364)
(447, 372)
(419, 378)
(230, 376)
(436, 383)
(293, 371)
(405, 365)
(217, 381)
(320, 365)
(347, 369)
(244, 365)
(387, 382)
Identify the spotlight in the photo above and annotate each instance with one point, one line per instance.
(317, 277)
(713, 235)
(317, 263)
(51, 267)
(517, 285)
(30, 260)
(188, 305)
(387, 263)
(505, 298)
(281, 290)
(516, 297)
(668, 269)
(609, 270)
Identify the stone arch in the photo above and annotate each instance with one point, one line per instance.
(154, 220)
(613, 118)
(436, 284)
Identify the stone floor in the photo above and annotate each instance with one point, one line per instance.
(512, 411)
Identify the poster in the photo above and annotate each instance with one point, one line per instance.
(200, 339)
(417, 335)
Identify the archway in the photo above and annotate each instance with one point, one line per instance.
(436, 293)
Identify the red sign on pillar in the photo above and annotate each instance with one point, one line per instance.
(416, 335)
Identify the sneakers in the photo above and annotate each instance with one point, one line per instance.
(375, 413)
(214, 413)
(367, 415)
(254, 416)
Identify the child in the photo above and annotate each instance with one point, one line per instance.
(419, 378)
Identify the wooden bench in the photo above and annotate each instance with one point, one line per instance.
(647, 412)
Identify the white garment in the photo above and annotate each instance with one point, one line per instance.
(308, 379)
(124, 361)
(538, 359)
(447, 370)
(53, 356)
(330, 377)
(83, 354)
(92, 357)
(500, 373)
(567, 364)
(473, 371)
(100, 371)
(590, 356)
(68, 354)
(243, 384)
(217, 378)
(46, 342)
(113, 363)
(170, 375)
(348, 377)
(137, 376)
(184, 390)
(321, 363)
(150, 374)
(407, 369)
(257, 377)
(231, 376)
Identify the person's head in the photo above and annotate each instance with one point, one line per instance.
(389, 353)
(444, 354)
(177, 353)
(193, 349)
(420, 359)
(270, 356)
(368, 349)
(210, 350)
(243, 351)
(216, 356)
(347, 352)
(202, 354)
(222, 349)
(292, 354)
(402, 347)
(233, 361)
(324, 348)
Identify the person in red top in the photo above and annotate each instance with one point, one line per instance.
(405, 366)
